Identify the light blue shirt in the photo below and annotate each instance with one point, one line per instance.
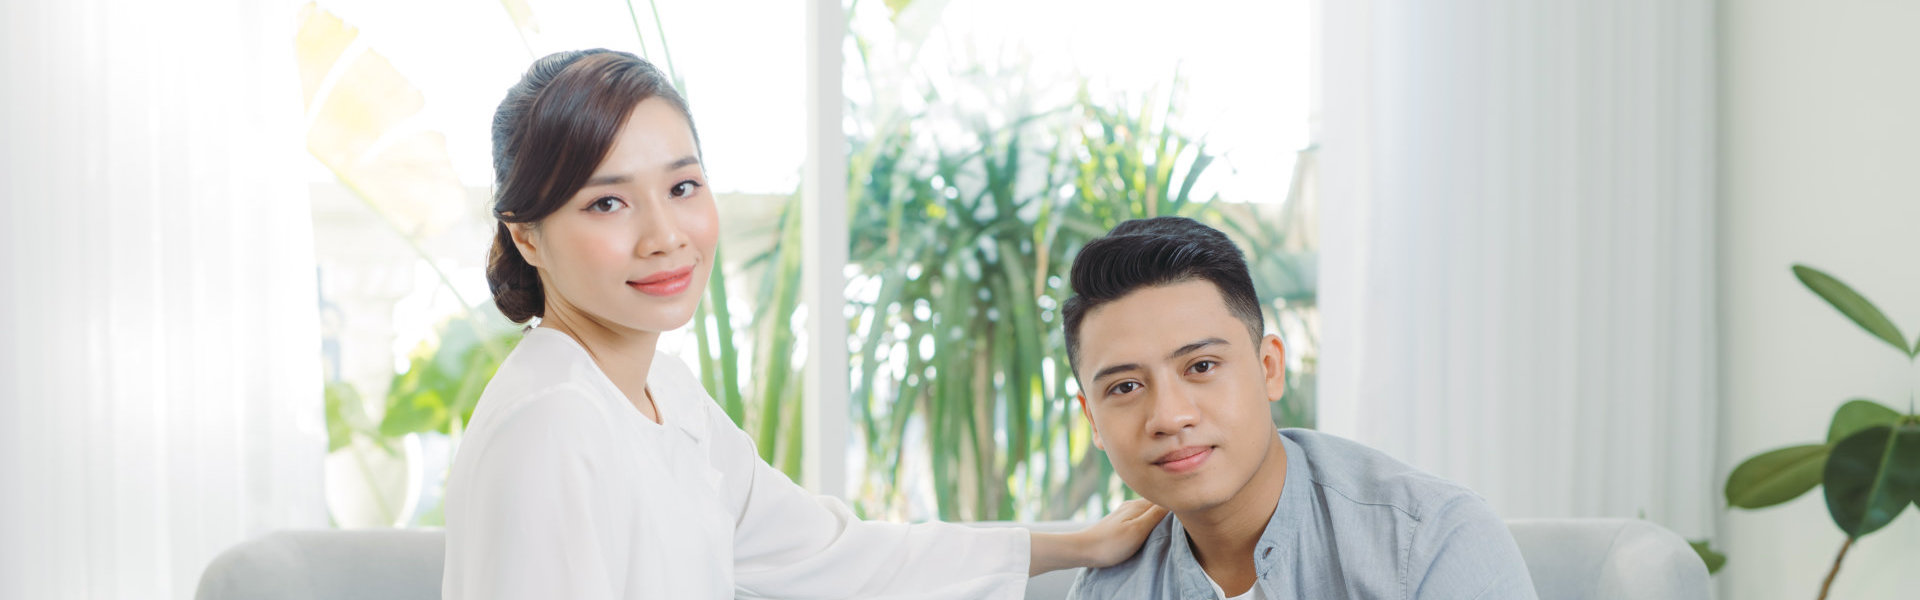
(1351, 523)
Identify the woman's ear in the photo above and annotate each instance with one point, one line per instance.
(526, 238)
(1273, 364)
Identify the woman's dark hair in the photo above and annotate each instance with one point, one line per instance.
(549, 134)
(1153, 252)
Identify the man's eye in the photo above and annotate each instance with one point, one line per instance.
(1204, 366)
(605, 205)
(685, 188)
(1123, 387)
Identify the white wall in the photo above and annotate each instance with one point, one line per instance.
(1820, 164)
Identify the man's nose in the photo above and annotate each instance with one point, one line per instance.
(1173, 410)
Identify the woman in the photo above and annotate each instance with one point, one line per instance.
(595, 467)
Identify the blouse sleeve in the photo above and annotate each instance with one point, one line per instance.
(791, 543)
(529, 526)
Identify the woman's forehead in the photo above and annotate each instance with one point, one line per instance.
(655, 137)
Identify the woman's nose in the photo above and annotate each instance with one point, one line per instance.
(660, 233)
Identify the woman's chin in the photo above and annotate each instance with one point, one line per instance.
(660, 321)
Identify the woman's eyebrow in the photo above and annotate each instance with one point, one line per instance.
(617, 178)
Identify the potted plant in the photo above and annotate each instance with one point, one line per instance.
(1869, 464)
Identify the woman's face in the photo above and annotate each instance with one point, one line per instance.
(632, 249)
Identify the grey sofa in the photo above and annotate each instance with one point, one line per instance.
(1569, 559)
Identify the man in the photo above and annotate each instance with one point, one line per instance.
(1166, 339)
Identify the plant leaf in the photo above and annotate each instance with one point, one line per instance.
(1858, 414)
(361, 129)
(420, 411)
(1871, 476)
(345, 417)
(321, 39)
(1853, 305)
(1776, 476)
(1714, 559)
(521, 14)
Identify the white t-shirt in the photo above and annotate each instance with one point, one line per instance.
(1253, 593)
(562, 489)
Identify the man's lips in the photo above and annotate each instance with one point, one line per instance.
(665, 283)
(1184, 459)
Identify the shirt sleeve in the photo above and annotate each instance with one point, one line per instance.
(1464, 550)
(530, 525)
(790, 543)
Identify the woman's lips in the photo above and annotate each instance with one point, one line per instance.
(1184, 459)
(665, 283)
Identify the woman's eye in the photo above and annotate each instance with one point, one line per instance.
(605, 205)
(685, 188)
(1123, 388)
(1204, 366)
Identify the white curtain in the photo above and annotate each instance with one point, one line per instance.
(1518, 285)
(161, 351)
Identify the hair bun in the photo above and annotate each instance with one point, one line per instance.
(514, 282)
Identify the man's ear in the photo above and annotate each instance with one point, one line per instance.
(1090, 426)
(1273, 364)
(525, 239)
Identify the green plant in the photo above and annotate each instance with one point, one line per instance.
(359, 112)
(437, 393)
(768, 405)
(1713, 558)
(1869, 464)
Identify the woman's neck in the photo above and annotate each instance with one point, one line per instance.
(624, 355)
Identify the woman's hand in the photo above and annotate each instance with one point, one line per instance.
(1109, 541)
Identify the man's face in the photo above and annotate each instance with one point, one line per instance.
(1177, 393)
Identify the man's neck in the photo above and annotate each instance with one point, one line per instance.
(1225, 536)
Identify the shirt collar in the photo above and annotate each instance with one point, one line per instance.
(666, 377)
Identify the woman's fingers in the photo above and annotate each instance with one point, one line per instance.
(1122, 531)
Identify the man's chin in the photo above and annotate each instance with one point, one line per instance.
(1185, 497)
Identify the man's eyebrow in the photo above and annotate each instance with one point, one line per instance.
(1182, 351)
(1114, 370)
(1194, 347)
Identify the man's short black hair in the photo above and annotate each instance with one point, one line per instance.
(1154, 252)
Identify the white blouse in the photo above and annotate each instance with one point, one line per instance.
(562, 489)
